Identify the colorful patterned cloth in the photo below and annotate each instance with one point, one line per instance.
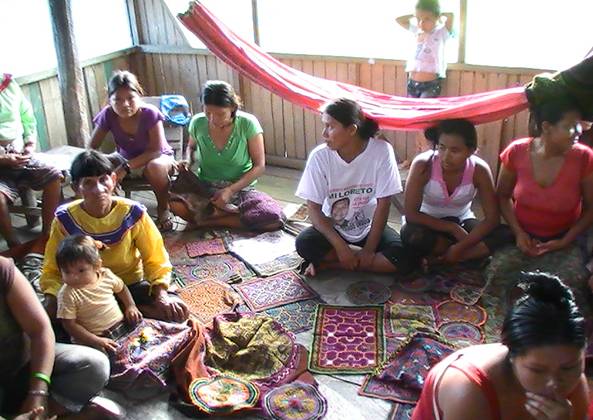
(290, 261)
(265, 293)
(206, 247)
(402, 378)
(295, 317)
(467, 295)
(568, 264)
(402, 411)
(223, 394)
(144, 355)
(368, 293)
(223, 267)
(463, 334)
(450, 310)
(347, 339)
(295, 401)
(175, 246)
(208, 298)
(251, 347)
(403, 320)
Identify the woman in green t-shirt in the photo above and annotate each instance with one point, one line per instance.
(226, 152)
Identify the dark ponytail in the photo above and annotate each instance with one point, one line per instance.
(545, 315)
(348, 112)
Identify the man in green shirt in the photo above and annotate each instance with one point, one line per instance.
(19, 171)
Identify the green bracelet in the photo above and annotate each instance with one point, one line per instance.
(42, 376)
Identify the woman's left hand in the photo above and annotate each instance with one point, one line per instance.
(31, 406)
(549, 246)
(365, 259)
(545, 408)
(222, 197)
(174, 310)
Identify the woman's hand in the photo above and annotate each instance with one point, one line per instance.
(457, 231)
(14, 160)
(221, 197)
(182, 165)
(173, 309)
(365, 258)
(453, 254)
(34, 407)
(549, 246)
(133, 315)
(545, 408)
(347, 258)
(526, 244)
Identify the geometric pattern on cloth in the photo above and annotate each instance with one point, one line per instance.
(223, 394)
(295, 317)
(269, 292)
(252, 347)
(368, 293)
(404, 320)
(402, 411)
(208, 298)
(401, 378)
(467, 295)
(462, 333)
(449, 311)
(347, 339)
(206, 247)
(290, 261)
(222, 267)
(415, 285)
(295, 401)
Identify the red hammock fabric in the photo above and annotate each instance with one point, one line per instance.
(392, 112)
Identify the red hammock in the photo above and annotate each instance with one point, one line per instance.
(392, 112)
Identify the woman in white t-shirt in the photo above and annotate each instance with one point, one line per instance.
(348, 183)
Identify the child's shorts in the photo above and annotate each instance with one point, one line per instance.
(430, 89)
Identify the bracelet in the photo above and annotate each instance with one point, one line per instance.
(39, 392)
(42, 376)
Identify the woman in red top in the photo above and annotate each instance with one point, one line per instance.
(545, 186)
(537, 371)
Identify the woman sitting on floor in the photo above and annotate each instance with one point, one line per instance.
(39, 376)
(537, 371)
(135, 251)
(440, 189)
(228, 146)
(545, 190)
(142, 149)
(348, 184)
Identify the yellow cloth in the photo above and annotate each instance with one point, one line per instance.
(139, 255)
(94, 307)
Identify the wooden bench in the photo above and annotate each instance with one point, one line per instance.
(174, 136)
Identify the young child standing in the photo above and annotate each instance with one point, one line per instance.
(87, 305)
(427, 66)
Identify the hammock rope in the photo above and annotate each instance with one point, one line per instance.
(391, 112)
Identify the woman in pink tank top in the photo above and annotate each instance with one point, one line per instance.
(537, 371)
(440, 189)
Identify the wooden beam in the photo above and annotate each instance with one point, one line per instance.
(133, 21)
(254, 14)
(69, 73)
(462, 31)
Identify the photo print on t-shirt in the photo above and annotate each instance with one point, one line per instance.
(349, 208)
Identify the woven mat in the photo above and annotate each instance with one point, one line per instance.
(208, 298)
(347, 339)
(280, 289)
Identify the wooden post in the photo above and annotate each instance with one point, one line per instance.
(255, 22)
(69, 73)
(462, 31)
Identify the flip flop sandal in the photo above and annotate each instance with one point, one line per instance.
(167, 223)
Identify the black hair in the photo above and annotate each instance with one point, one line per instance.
(348, 112)
(545, 315)
(77, 248)
(220, 93)
(90, 163)
(124, 79)
(431, 6)
(463, 128)
(552, 111)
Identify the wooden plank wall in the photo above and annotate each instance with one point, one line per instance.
(45, 97)
(290, 131)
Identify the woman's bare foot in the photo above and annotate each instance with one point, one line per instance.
(310, 270)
